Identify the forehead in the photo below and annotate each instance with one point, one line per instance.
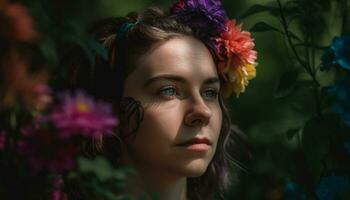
(184, 56)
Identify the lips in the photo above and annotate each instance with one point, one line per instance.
(196, 141)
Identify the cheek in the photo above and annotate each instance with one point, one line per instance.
(156, 135)
(215, 124)
(163, 122)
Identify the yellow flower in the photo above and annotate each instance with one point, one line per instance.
(237, 75)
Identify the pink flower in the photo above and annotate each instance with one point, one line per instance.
(79, 115)
(57, 193)
(238, 42)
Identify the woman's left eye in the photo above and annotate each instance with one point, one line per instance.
(210, 94)
(168, 91)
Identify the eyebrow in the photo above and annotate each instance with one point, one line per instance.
(176, 78)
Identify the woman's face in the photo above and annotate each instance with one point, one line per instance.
(178, 85)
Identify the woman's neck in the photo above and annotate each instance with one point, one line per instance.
(152, 181)
(162, 185)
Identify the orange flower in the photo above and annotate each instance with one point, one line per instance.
(237, 75)
(237, 42)
(239, 67)
(17, 83)
(20, 24)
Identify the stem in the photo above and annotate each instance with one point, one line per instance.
(304, 64)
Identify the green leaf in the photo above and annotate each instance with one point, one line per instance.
(286, 83)
(294, 36)
(315, 46)
(306, 84)
(90, 55)
(48, 50)
(292, 132)
(105, 192)
(263, 27)
(99, 166)
(103, 170)
(98, 48)
(257, 8)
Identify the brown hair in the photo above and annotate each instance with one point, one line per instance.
(105, 80)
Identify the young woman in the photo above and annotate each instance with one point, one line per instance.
(166, 75)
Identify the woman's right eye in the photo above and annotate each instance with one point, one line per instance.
(168, 91)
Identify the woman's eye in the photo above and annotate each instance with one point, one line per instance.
(168, 91)
(210, 94)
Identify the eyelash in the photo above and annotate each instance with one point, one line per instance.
(162, 91)
(167, 88)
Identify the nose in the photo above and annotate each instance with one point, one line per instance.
(198, 114)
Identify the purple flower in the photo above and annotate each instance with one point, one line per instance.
(79, 115)
(45, 150)
(205, 16)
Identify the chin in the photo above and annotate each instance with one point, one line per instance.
(195, 168)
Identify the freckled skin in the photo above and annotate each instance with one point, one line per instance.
(172, 119)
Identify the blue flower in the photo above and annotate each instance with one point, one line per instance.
(341, 91)
(293, 192)
(338, 53)
(331, 187)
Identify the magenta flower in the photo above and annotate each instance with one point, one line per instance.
(207, 16)
(2, 140)
(79, 115)
(46, 151)
(57, 193)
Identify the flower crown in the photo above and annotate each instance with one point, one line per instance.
(232, 46)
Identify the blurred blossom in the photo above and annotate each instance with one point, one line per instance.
(57, 193)
(43, 96)
(330, 187)
(293, 192)
(347, 146)
(17, 83)
(46, 151)
(2, 140)
(18, 23)
(338, 53)
(79, 114)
